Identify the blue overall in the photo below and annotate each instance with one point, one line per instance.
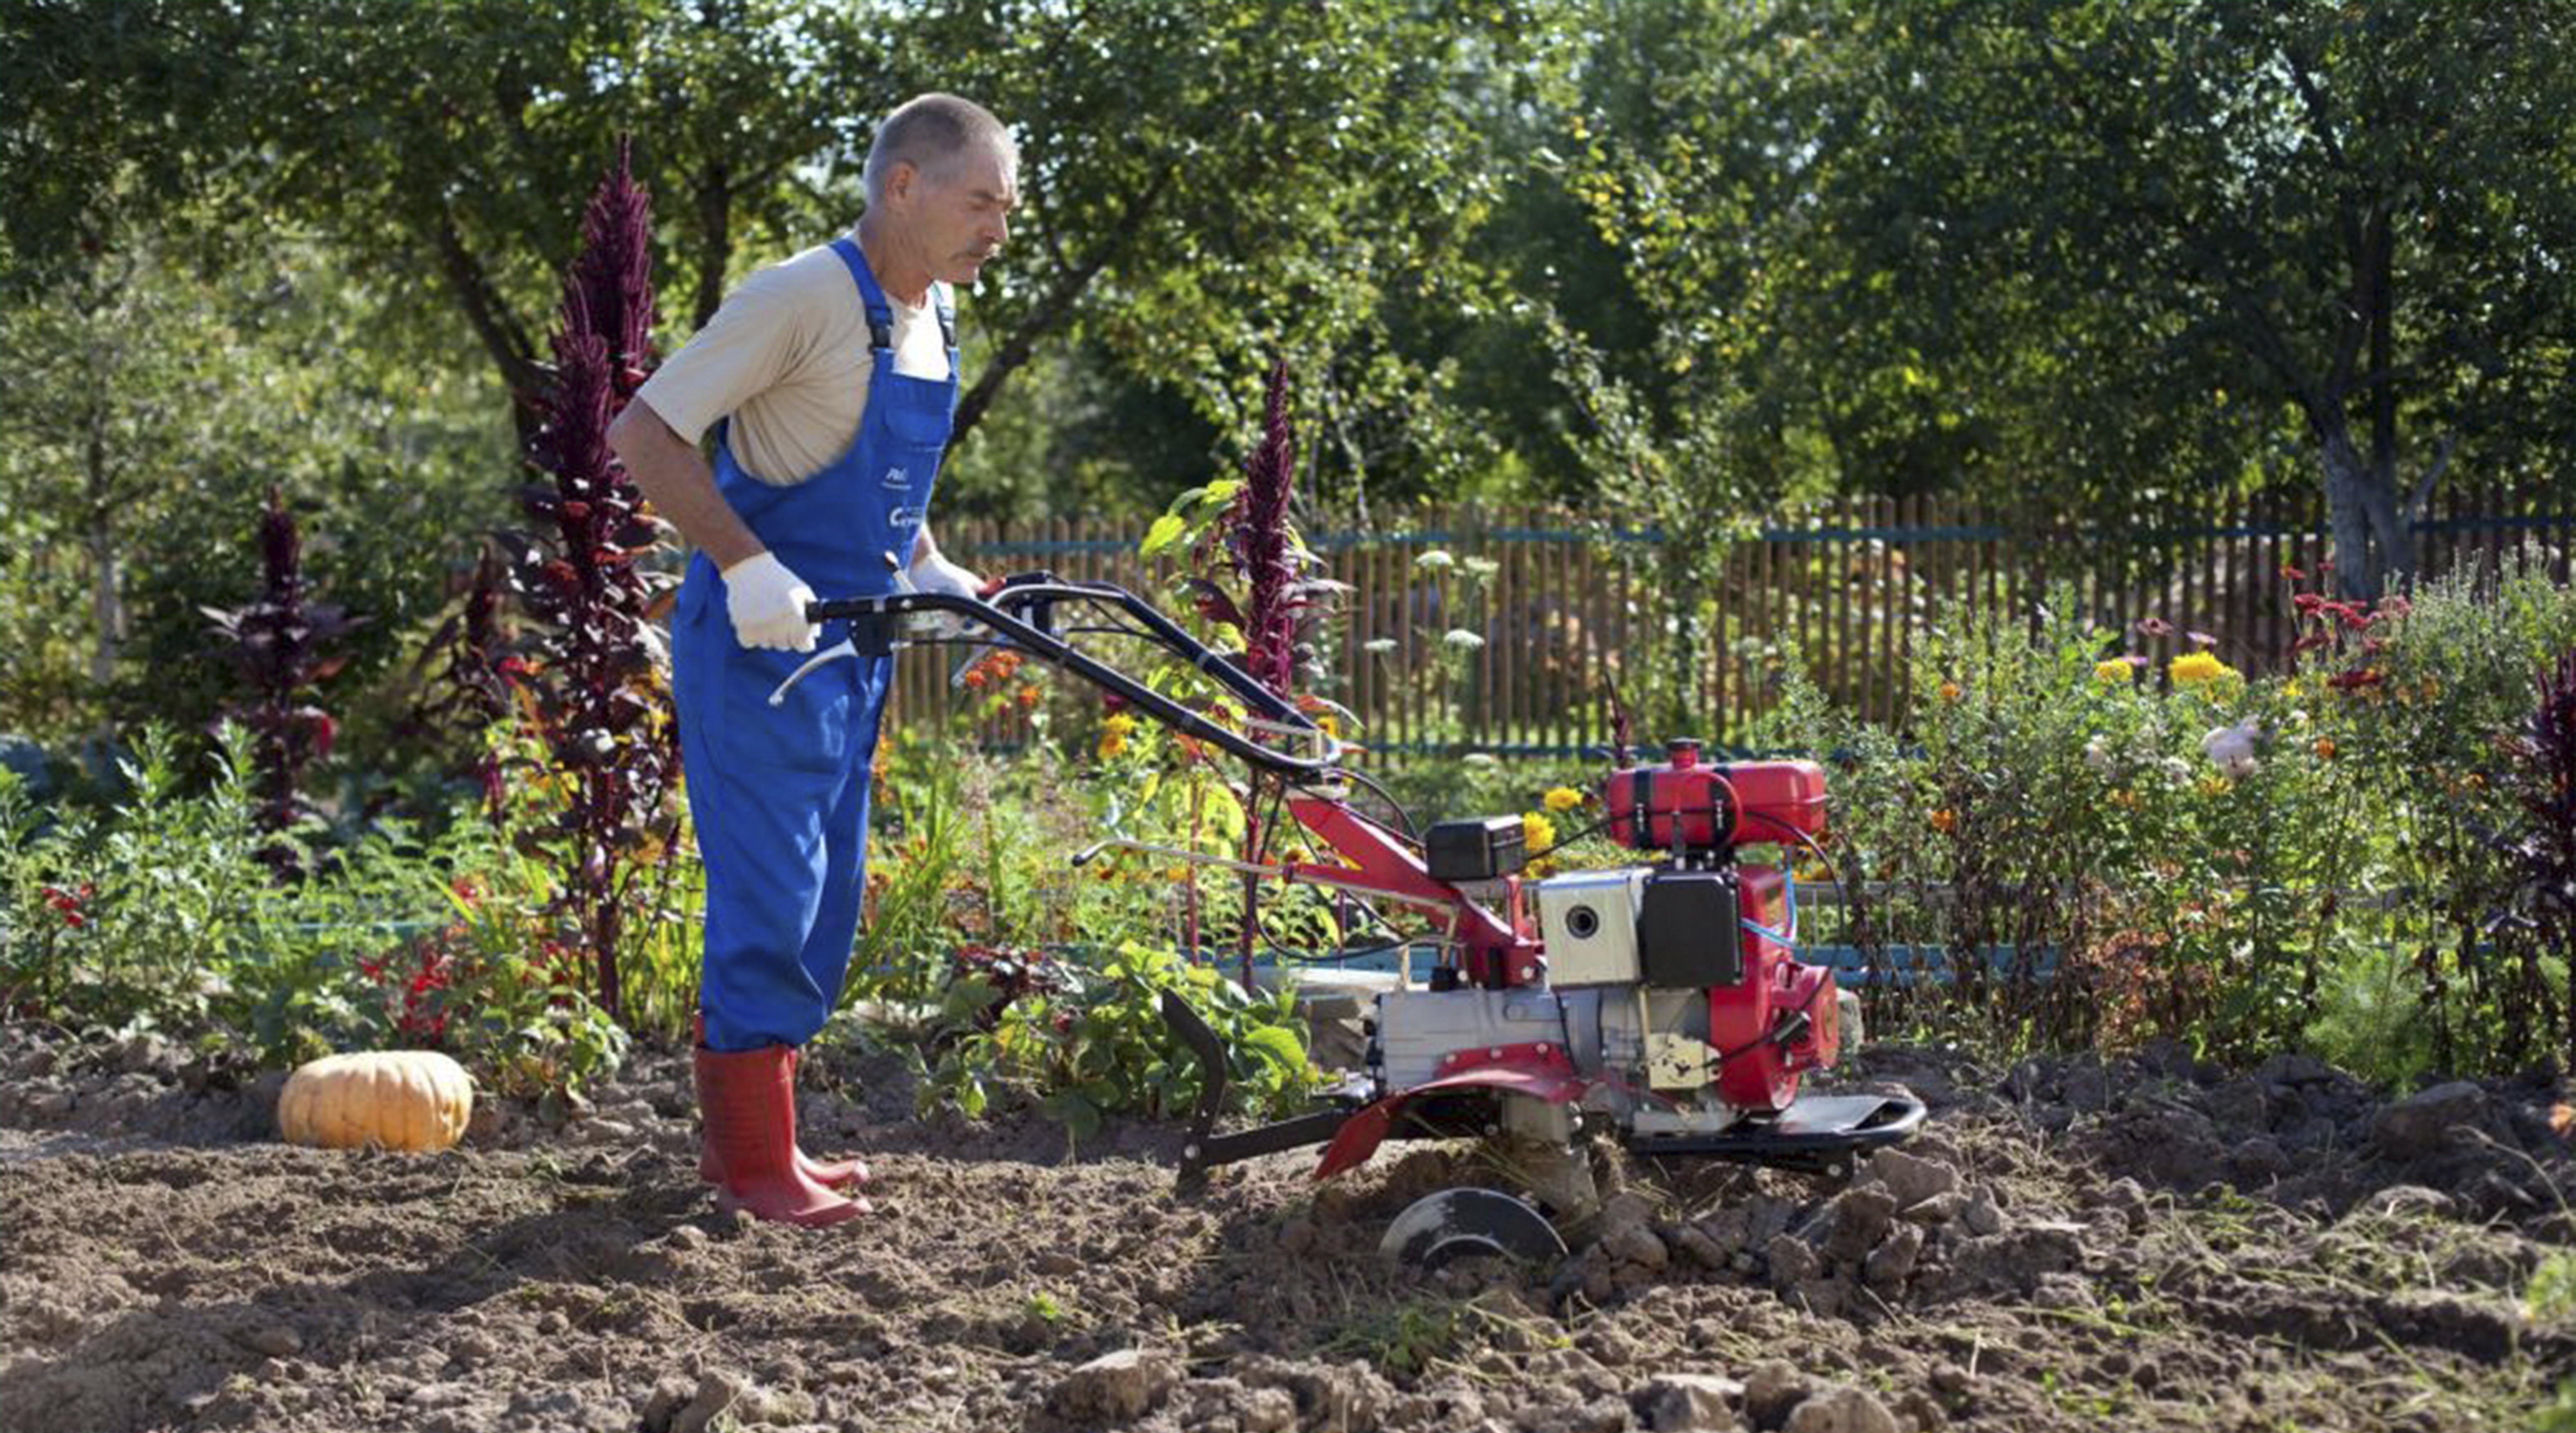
(780, 794)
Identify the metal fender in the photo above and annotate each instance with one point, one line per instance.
(1540, 1071)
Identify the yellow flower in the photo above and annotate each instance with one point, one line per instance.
(1538, 834)
(2125, 799)
(2324, 748)
(1119, 724)
(1325, 723)
(1949, 691)
(2215, 785)
(1113, 744)
(1562, 799)
(2197, 669)
(1945, 821)
(2113, 672)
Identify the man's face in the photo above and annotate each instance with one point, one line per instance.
(958, 213)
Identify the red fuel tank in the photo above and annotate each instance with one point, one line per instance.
(1731, 805)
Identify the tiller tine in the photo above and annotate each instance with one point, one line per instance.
(1205, 1148)
(1469, 1221)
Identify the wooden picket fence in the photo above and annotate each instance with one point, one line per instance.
(1561, 615)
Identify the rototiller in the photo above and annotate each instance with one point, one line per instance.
(1663, 1002)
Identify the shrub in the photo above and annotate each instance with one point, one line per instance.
(2086, 850)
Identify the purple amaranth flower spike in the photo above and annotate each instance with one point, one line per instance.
(279, 644)
(599, 696)
(1264, 551)
(613, 276)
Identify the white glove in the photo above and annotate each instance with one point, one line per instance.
(932, 572)
(767, 605)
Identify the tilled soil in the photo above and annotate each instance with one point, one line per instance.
(2070, 1244)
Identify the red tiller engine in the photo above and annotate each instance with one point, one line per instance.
(1769, 1016)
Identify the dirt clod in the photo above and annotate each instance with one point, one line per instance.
(2423, 1122)
(1117, 1386)
(1694, 1401)
(1841, 1410)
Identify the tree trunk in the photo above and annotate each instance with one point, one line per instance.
(107, 608)
(715, 224)
(2371, 541)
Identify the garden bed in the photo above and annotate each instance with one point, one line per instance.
(2066, 1246)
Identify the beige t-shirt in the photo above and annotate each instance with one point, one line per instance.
(787, 357)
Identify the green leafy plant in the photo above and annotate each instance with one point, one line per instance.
(136, 915)
(1097, 1045)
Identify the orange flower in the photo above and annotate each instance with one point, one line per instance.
(2324, 748)
(1945, 821)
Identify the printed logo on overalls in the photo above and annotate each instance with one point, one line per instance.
(898, 481)
(903, 516)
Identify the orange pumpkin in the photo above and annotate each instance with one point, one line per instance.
(396, 1099)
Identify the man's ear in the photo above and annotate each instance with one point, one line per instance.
(899, 180)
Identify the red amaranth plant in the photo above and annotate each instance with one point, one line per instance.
(1254, 543)
(587, 660)
(1266, 553)
(280, 644)
(478, 669)
(2541, 918)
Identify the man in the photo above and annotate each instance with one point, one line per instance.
(829, 380)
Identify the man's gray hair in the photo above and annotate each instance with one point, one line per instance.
(927, 132)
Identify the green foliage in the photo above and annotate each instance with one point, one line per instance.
(170, 896)
(2551, 1300)
(2094, 259)
(1100, 1045)
(153, 410)
(2194, 855)
(156, 913)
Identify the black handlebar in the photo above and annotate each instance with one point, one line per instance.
(874, 630)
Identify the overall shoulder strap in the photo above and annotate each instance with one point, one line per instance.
(880, 313)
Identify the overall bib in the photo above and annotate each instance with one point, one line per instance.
(780, 794)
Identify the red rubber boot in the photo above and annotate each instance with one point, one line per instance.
(748, 1101)
(834, 1172)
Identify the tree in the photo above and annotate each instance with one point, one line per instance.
(2109, 254)
(150, 411)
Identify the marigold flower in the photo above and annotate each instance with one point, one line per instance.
(1538, 834)
(2215, 786)
(2196, 669)
(2113, 671)
(2324, 747)
(1562, 799)
(1119, 724)
(1945, 821)
(1949, 691)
